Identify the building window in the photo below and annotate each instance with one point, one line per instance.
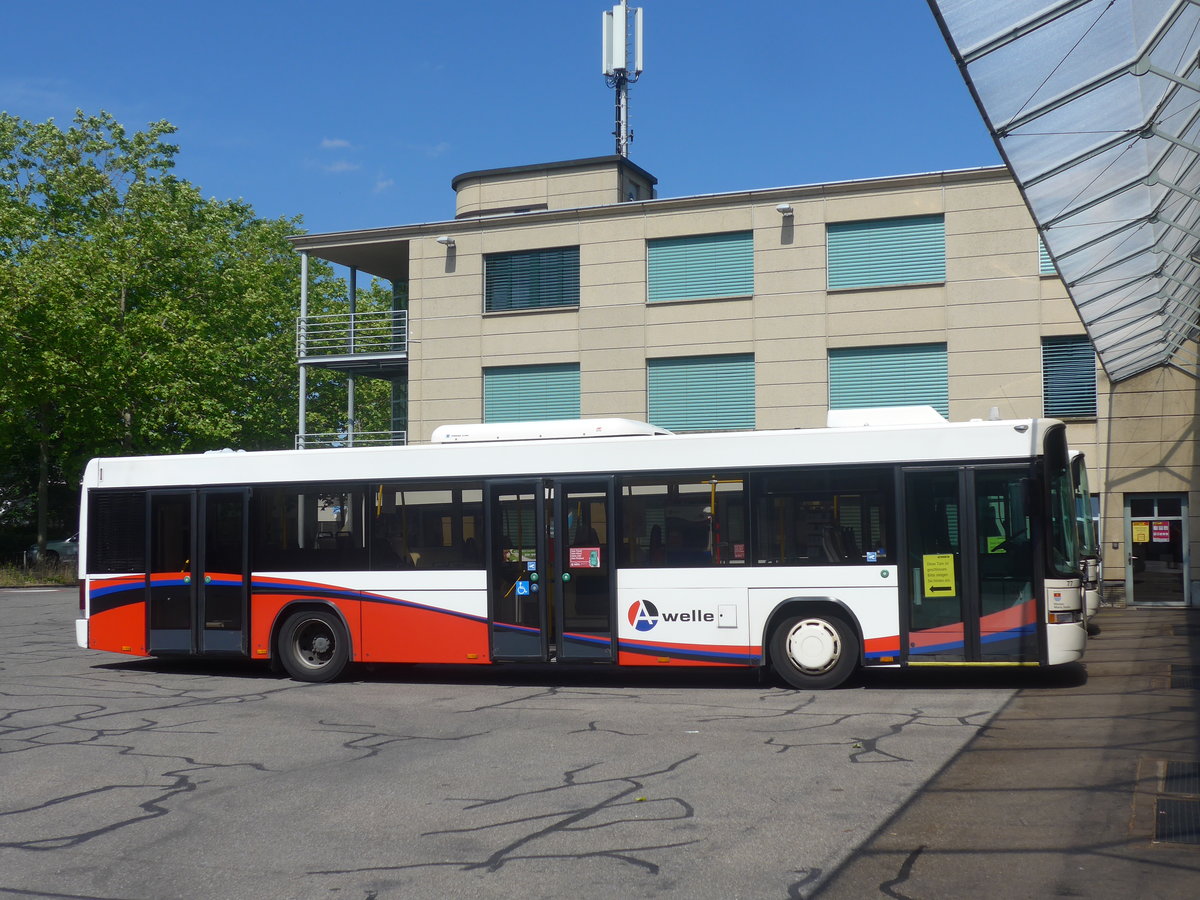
(531, 393)
(1068, 377)
(531, 279)
(886, 252)
(1045, 265)
(702, 393)
(699, 267)
(907, 375)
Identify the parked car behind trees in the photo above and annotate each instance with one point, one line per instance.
(56, 551)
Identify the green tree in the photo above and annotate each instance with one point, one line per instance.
(136, 316)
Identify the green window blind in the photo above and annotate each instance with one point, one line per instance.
(531, 393)
(700, 266)
(702, 393)
(1068, 377)
(907, 375)
(1045, 266)
(886, 252)
(533, 279)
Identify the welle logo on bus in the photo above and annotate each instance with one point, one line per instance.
(643, 615)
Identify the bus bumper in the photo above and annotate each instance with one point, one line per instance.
(1065, 643)
(81, 633)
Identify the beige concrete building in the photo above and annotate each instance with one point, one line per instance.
(569, 289)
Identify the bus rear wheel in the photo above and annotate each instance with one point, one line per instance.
(814, 652)
(313, 646)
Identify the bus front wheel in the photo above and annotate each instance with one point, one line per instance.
(313, 646)
(814, 652)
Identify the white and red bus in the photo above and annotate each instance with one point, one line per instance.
(892, 538)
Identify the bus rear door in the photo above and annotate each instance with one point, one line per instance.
(197, 588)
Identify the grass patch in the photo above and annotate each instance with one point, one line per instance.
(46, 573)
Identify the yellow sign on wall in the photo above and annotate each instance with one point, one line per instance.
(938, 571)
(1141, 532)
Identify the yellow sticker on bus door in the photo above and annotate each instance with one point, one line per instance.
(938, 571)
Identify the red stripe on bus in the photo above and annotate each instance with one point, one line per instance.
(121, 629)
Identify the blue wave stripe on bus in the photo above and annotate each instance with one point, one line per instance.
(590, 639)
(1011, 634)
(309, 589)
(737, 657)
(936, 648)
(522, 629)
(329, 592)
(117, 588)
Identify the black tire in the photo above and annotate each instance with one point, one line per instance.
(313, 646)
(814, 652)
(51, 557)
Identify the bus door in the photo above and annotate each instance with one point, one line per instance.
(550, 573)
(519, 592)
(586, 593)
(970, 566)
(197, 587)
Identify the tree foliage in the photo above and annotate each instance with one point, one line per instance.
(136, 315)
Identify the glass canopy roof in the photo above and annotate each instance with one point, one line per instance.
(1095, 106)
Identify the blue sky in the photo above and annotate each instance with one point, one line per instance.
(358, 114)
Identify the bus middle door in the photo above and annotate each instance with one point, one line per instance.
(585, 569)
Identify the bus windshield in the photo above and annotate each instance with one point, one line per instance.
(1063, 533)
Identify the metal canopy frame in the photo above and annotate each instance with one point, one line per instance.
(1095, 107)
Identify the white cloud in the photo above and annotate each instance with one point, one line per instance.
(32, 92)
(334, 144)
(429, 151)
(384, 184)
(342, 165)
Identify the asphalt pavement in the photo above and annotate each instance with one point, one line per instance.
(128, 779)
(1071, 790)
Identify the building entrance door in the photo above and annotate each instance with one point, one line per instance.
(1156, 569)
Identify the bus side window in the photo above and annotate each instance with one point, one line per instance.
(426, 525)
(684, 521)
(306, 528)
(117, 530)
(811, 517)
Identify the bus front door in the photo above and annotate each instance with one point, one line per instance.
(551, 576)
(970, 566)
(197, 588)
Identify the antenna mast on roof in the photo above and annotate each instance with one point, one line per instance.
(622, 63)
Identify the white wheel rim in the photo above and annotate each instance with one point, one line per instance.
(814, 646)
